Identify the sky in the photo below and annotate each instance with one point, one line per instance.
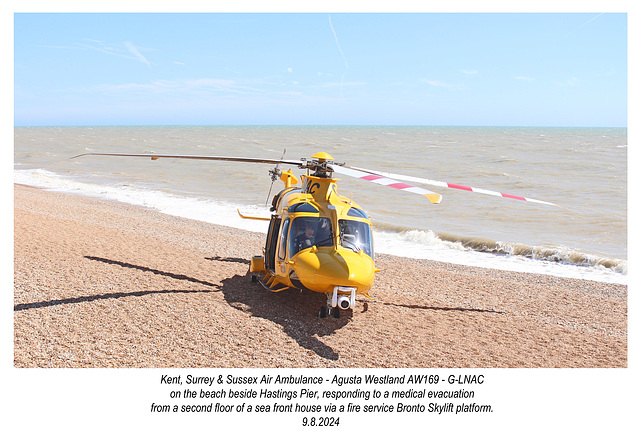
(442, 69)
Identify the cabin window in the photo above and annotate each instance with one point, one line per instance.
(303, 207)
(309, 231)
(282, 249)
(356, 235)
(356, 212)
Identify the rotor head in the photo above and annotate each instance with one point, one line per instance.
(322, 156)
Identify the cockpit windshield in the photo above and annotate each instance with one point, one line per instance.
(309, 231)
(356, 235)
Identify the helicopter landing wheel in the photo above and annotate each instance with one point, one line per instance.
(323, 312)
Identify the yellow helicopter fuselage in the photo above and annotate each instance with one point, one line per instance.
(317, 240)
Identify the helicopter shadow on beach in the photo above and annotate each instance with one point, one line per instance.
(210, 287)
(295, 311)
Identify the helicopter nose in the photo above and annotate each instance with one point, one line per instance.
(346, 268)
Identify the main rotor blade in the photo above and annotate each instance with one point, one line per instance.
(195, 157)
(447, 185)
(434, 198)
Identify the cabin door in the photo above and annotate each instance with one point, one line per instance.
(272, 243)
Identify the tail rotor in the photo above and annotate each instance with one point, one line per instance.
(275, 174)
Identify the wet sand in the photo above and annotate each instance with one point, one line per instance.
(103, 284)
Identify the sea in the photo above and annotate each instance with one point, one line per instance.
(581, 170)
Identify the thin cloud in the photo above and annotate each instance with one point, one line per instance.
(589, 21)
(346, 63)
(335, 36)
(76, 47)
(202, 86)
(133, 50)
(525, 78)
(586, 23)
(338, 84)
(437, 83)
(573, 82)
(212, 85)
(127, 50)
(212, 91)
(469, 72)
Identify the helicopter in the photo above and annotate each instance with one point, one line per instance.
(317, 239)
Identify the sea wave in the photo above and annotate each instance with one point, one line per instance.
(557, 254)
(555, 260)
(549, 253)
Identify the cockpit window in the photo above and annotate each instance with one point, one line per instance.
(356, 212)
(309, 231)
(356, 235)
